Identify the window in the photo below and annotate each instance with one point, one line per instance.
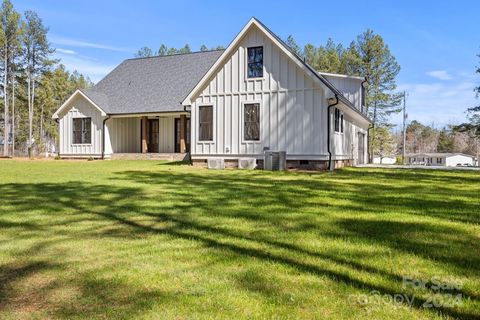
(82, 130)
(255, 62)
(338, 120)
(205, 123)
(439, 160)
(251, 121)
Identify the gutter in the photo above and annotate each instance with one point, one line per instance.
(329, 120)
(103, 137)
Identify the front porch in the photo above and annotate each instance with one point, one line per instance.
(156, 136)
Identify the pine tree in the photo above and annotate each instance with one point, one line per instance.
(162, 50)
(185, 49)
(37, 52)
(380, 67)
(446, 141)
(294, 46)
(203, 48)
(144, 52)
(10, 32)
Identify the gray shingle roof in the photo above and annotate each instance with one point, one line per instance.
(154, 84)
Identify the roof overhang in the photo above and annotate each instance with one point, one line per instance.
(70, 99)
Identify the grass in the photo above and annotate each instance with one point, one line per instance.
(145, 239)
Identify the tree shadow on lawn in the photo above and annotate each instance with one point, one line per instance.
(198, 208)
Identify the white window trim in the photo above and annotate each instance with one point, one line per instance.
(242, 123)
(214, 123)
(247, 79)
(91, 132)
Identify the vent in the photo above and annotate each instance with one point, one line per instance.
(275, 160)
(215, 164)
(247, 163)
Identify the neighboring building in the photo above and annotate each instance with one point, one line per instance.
(440, 159)
(384, 160)
(255, 95)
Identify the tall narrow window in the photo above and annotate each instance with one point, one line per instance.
(255, 62)
(251, 121)
(82, 130)
(337, 120)
(205, 123)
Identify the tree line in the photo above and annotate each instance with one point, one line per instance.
(422, 138)
(163, 50)
(33, 84)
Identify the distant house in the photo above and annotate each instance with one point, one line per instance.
(384, 160)
(255, 95)
(440, 159)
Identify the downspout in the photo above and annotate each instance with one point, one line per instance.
(329, 120)
(103, 137)
(364, 92)
(58, 130)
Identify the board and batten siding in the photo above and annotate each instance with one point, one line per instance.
(80, 108)
(292, 106)
(123, 134)
(351, 88)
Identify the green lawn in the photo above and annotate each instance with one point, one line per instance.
(145, 239)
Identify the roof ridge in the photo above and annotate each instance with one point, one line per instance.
(175, 54)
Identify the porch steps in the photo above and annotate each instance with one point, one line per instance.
(151, 156)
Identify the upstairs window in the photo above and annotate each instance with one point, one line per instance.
(255, 62)
(205, 123)
(338, 121)
(251, 122)
(82, 130)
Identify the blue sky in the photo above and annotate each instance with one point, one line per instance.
(435, 42)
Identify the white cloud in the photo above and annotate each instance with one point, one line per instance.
(65, 51)
(85, 44)
(440, 74)
(438, 103)
(95, 70)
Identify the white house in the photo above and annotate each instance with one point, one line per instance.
(255, 95)
(440, 159)
(384, 160)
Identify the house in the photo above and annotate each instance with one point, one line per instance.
(255, 95)
(384, 160)
(440, 159)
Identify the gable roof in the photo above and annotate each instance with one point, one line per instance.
(78, 92)
(286, 49)
(153, 84)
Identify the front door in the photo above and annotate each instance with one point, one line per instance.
(361, 148)
(177, 134)
(152, 135)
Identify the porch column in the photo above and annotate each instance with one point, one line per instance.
(183, 133)
(144, 134)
